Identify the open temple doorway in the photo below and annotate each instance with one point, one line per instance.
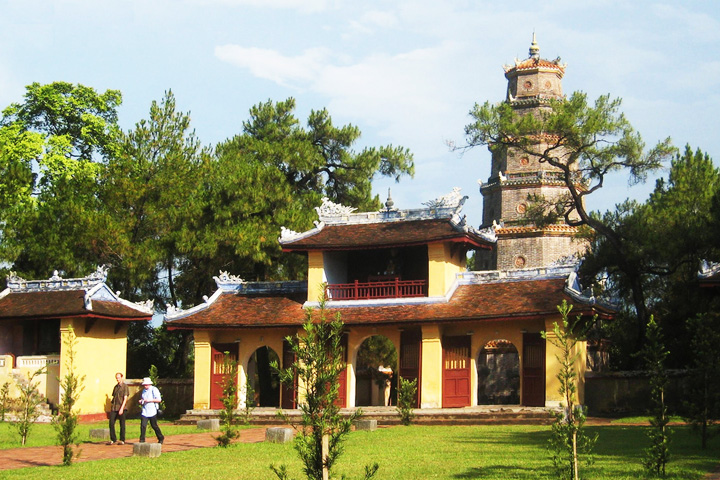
(264, 382)
(375, 375)
(498, 369)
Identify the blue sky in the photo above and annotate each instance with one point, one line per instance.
(405, 72)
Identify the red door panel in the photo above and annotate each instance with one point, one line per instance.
(456, 371)
(410, 357)
(533, 370)
(217, 371)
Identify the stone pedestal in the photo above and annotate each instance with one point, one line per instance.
(279, 435)
(147, 449)
(99, 434)
(212, 424)
(369, 425)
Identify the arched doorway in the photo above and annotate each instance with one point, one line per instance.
(375, 374)
(498, 374)
(262, 379)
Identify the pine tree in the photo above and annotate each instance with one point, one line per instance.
(654, 354)
(319, 361)
(66, 421)
(568, 440)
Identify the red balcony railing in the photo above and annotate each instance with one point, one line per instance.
(369, 290)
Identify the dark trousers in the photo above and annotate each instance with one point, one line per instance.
(153, 424)
(115, 415)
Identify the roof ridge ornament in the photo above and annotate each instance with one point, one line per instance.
(226, 278)
(329, 208)
(16, 283)
(450, 200)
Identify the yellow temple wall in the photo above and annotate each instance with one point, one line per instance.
(100, 353)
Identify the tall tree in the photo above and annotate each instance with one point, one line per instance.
(51, 143)
(147, 191)
(666, 237)
(273, 174)
(584, 143)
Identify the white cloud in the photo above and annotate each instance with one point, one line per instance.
(272, 65)
(306, 6)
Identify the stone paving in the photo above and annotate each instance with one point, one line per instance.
(52, 455)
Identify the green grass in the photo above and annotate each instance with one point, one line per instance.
(644, 420)
(42, 434)
(412, 453)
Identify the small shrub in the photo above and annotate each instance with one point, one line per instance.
(568, 441)
(30, 398)
(4, 400)
(65, 423)
(407, 394)
(229, 401)
(653, 354)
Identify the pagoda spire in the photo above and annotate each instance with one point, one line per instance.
(534, 48)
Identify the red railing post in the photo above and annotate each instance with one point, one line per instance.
(357, 292)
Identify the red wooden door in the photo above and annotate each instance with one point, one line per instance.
(533, 370)
(456, 371)
(217, 371)
(288, 392)
(342, 378)
(410, 354)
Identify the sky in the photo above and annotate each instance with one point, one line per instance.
(405, 72)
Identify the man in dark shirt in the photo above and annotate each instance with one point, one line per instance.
(117, 409)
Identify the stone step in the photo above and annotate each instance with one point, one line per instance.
(389, 416)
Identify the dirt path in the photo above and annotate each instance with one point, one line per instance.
(52, 455)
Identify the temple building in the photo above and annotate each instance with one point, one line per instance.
(36, 317)
(399, 280)
(517, 175)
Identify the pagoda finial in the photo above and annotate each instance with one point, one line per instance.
(389, 204)
(534, 48)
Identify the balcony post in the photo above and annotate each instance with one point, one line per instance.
(357, 291)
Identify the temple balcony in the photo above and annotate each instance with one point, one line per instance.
(19, 369)
(376, 288)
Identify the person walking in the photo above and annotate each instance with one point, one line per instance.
(150, 402)
(117, 409)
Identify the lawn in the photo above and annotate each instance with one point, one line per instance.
(43, 434)
(412, 453)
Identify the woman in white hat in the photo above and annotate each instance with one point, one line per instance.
(150, 402)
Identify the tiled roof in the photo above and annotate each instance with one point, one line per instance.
(384, 234)
(555, 228)
(530, 63)
(490, 301)
(64, 303)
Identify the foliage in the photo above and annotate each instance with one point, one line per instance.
(71, 385)
(585, 143)
(654, 354)
(703, 393)
(51, 145)
(319, 360)
(274, 173)
(229, 400)
(249, 393)
(148, 345)
(568, 441)
(665, 240)
(407, 396)
(155, 377)
(30, 399)
(4, 400)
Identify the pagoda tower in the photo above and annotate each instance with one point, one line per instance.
(516, 176)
